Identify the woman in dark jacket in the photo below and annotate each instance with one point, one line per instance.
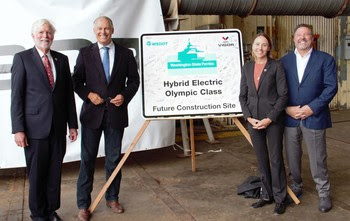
(263, 97)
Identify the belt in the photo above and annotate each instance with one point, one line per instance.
(106, 101)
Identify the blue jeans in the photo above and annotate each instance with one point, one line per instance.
(90, 139)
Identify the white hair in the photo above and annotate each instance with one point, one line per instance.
(104, 17)
(37, 24)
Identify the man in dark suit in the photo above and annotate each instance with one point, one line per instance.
(312, 83)
(106, 79)
(42, 104)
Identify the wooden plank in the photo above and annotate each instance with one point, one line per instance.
(193, 149)
(242, 129)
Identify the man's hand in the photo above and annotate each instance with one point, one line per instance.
(118, 100)
(294, 111)
(298, 112)
(21, 139)
(305, 112)
(95, 98)
(73, 134)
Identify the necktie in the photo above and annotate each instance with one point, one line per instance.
(48, 69)
(105, 62)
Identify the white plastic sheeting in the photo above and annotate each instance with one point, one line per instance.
(73, 20)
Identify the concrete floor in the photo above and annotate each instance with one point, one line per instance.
(157, 185)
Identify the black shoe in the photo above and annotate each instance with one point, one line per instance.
(280, 208)
(325, 204)
(55, 217)
(261, 203)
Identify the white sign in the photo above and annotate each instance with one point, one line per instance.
(191, 74)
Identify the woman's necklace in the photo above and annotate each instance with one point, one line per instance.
(260, 72)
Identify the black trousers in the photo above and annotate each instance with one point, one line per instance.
(44, 159)
(268, 146)
(90, 140)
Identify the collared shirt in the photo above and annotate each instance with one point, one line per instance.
(302, 62)
(50, 60)
(111, 53)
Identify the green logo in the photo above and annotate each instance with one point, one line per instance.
(192, 58)
(157, 43)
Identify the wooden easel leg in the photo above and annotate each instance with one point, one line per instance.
(185, 140)
(193, 149)
(242, 129)
(292, 195)
(247, 136)
(119, 166)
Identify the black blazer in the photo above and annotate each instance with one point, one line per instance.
(35, 107)
(271, 98)
(89, 77)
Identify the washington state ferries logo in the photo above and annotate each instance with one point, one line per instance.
(226, 41)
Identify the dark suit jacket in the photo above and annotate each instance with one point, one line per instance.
(317, 88)
(271, 97)
(89, 77)
(35, 107)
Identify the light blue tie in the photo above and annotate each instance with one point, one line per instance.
(105, 62)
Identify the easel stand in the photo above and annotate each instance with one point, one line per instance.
(193, 159)
(246, 135)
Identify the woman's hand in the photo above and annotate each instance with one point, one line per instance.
(253, 121)
(262, 124)
(259, 124)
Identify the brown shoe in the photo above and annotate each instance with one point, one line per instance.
(115, 206)
(84, 215)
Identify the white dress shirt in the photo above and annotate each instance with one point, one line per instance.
(301, 63)
(51, 62)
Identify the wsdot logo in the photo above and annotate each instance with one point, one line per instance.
(157, 43)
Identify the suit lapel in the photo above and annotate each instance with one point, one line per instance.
(97, 58)
(263, 74)
(40, 66)
(294, 68)
(309, 66)
(250, 76)
(57, 67)
(117, 60)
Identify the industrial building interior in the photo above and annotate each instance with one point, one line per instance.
(160, 185)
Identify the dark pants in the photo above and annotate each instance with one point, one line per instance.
(268, 146)
(44, 167)
(90, 139)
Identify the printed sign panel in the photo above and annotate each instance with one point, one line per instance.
(191, 74)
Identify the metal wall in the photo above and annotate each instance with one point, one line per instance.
(326, 8)
(280, 26)
(281, 33)
(326, 28)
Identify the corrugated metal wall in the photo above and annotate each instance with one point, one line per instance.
(282, 31)
(245, 8)
(326, 28)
